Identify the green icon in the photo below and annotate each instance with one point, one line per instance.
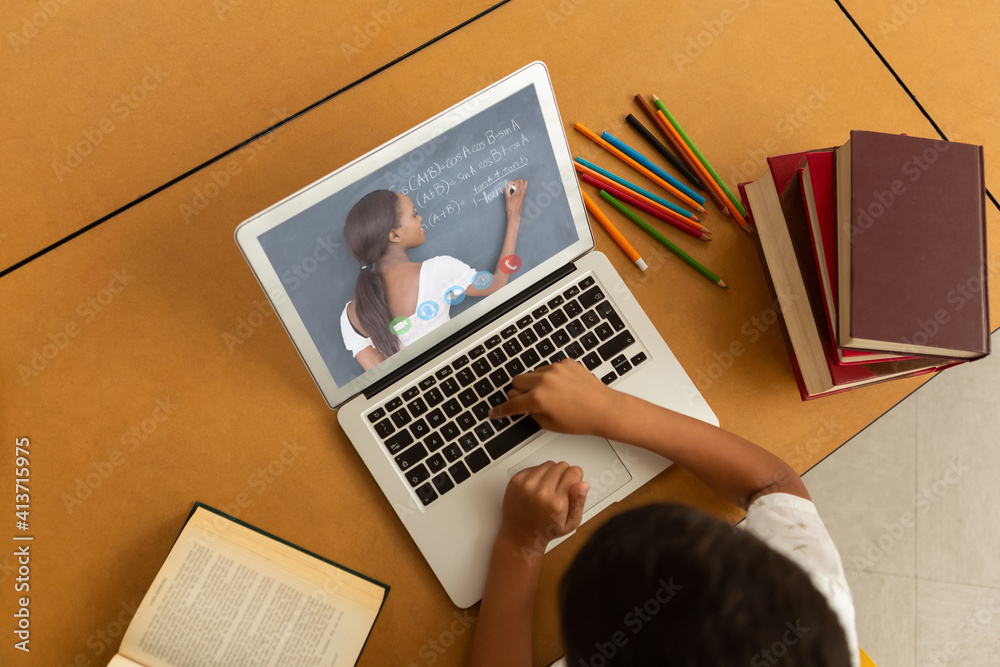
(400, 325)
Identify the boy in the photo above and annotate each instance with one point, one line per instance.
(664, 585)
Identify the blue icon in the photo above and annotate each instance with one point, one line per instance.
(482, 279)
(454, 295)
(428, 310)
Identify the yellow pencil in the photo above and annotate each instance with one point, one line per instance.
(613, 231)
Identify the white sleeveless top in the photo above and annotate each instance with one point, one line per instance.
(437, 276)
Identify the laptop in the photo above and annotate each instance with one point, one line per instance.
(415, 407)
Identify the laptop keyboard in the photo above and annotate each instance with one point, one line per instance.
(437, 430)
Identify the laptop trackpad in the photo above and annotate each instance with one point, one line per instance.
(601, 465)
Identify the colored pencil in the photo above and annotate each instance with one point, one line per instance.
(686, 155)
(721, 200)
(629, 199)
(648, 204)
(684, 213)
(582, 129)
(622, 242)
(652, 166)
(706, 179)
(694, 149)
(662, 239)
(664, 151)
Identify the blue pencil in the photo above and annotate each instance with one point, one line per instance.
(648, 164)
(645, 193)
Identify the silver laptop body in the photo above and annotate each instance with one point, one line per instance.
(417, 419)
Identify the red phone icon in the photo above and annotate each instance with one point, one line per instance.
(510, 264)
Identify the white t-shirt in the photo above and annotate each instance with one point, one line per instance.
(437, 276)
(791, 526)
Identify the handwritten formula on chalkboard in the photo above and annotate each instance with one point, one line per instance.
(486, 165)
(455, 181)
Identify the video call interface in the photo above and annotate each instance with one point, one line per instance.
(455, 183)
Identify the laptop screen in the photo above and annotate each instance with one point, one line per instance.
(387, 256)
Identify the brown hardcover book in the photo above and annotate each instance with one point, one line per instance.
(911, 246)
(231, 594)
(779, 222)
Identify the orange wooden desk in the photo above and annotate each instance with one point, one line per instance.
(104, 102)
(150, 393)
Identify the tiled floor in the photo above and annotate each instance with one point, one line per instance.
(913, 504)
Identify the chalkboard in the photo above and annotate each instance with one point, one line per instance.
(456, 182)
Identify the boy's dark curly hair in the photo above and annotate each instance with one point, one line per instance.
(671, 585)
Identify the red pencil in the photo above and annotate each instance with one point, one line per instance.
(626, 197)
(690, 220)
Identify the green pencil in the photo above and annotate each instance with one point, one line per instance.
(694, 149)
(662, 239)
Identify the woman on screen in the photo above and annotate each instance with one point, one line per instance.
(397, 301)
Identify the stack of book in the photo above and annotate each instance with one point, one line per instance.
(875, 254)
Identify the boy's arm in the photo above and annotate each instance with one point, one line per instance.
(540, 504)
(566, 397)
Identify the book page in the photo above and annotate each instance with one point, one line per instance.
(121, 661)
(228, 596)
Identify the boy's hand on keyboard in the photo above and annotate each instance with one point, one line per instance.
(542, 503)
(563, 397)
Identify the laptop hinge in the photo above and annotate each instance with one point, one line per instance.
(470, 330)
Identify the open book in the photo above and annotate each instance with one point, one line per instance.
(231, 595)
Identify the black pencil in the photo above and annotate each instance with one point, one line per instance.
(655, 143)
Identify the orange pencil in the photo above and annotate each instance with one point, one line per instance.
(685, 156)
(678, 144)
(720, 196)
(613, 231)
(613, 188)
(582, 129)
